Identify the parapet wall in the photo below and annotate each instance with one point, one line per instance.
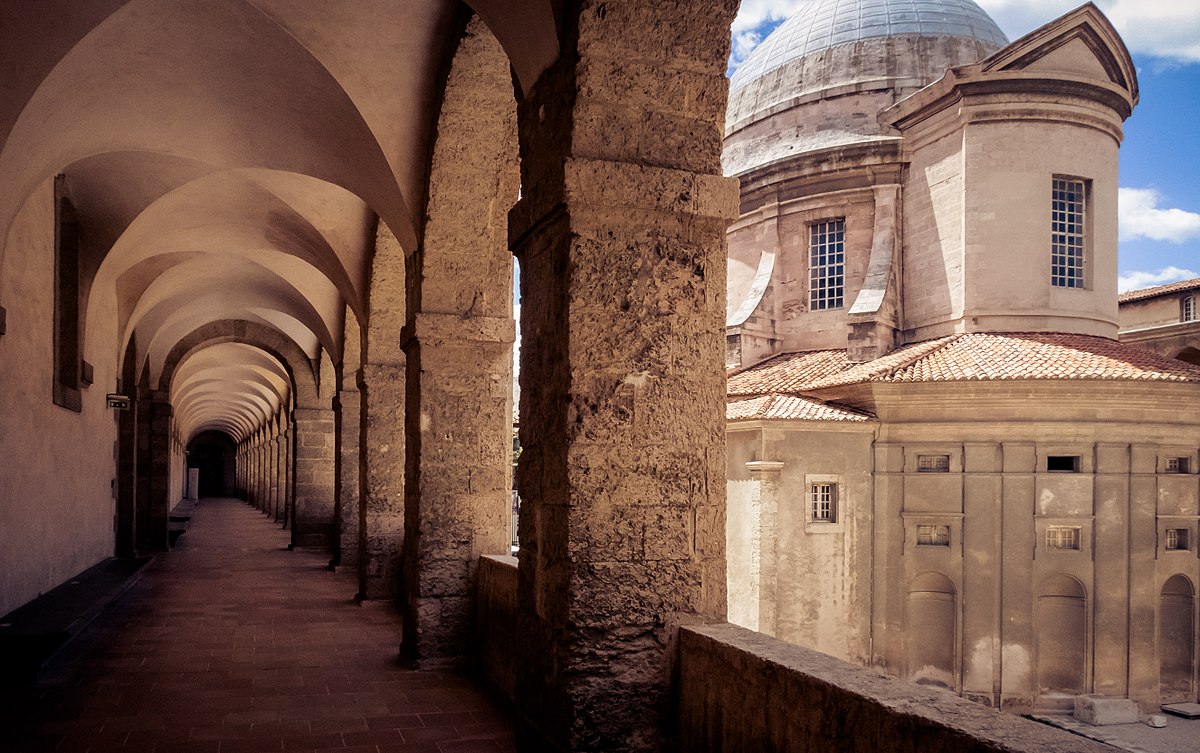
(496, 622)
(741, 690)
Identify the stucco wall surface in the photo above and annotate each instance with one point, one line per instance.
(56, 502)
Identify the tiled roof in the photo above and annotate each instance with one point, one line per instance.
(1154, 292)
(1033, 355)
(790, 407)
(967, 357)
(788, 372)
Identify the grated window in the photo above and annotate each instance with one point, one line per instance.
(1177, 539)
(1062, 537)
(823, 502)
(933, 463)
(1069, 199)
(1178, 465)
(827, 265)
(933, 535)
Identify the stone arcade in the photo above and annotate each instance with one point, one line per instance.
(286, 230)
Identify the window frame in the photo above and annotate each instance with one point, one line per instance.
(1188, 310)
(1055, 543)
(1070, 219)
(826, 262)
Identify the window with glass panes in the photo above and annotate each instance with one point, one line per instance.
(826, 265)
(822, 500)
(1189, 309)
(1069, 202)
(1062, 537)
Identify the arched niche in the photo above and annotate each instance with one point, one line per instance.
(932, 630)
(1189, 355)
(1176, 640)
(1062, 636)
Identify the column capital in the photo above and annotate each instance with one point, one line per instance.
(764, 467)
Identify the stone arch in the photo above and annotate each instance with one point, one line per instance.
(1177, 640)
(932, 630)
(300, 368)
(1062, 630)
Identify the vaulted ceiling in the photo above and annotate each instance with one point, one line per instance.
(229, 160)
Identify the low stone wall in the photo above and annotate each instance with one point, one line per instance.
(496, 621)
(741, 690)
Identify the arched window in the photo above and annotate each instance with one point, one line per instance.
(1188, 311)
(932, 622)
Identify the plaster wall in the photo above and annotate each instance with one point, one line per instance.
(1152, 311)
(933, 274)
(56, 490)
(803, 581)
(1007, 219)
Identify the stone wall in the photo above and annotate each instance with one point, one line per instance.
(496, 622)
(740, 690)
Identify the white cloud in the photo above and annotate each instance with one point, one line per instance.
(1167, 29)
(1139, 216)
(1139, 280)
(754, 13)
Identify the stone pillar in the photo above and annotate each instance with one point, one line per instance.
(766, 474)
(312, 525)
(621, 238)
(459, 447)
(154, 471)
(381, 479)
(273, 472)
(287, 499)
(349, 415)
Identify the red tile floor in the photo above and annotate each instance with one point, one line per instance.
(232, 643)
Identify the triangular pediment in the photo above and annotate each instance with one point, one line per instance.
(1082, 44)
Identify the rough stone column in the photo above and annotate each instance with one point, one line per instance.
(381, 482)
(153, 468)
(312, 525)
(349, 515)
(621, 238)
(273, 460)
(286, 500)
(459, 446)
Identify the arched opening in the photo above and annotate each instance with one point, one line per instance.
(1062, 637)
(1189, 355)
(212, 454)
(1176, 640)
(932, 624)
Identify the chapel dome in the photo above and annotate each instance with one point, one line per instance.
(885, 49)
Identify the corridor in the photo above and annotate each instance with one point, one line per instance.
(231, 643)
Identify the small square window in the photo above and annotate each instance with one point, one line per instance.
(822, 500)
(1062, 463)
(1178, 465)
(1178, 539)
(1062, 537)
(933, 535)
(1188, 312)
(933, 463)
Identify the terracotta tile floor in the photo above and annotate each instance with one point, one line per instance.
(232, 643)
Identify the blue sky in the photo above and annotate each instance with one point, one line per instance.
(1160, 158)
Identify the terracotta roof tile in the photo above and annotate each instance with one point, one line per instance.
(791, 407)
(1174, 287)
(787, 372)
(1034, 355)
(966, 357)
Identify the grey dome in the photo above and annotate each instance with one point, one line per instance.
(827, 23)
